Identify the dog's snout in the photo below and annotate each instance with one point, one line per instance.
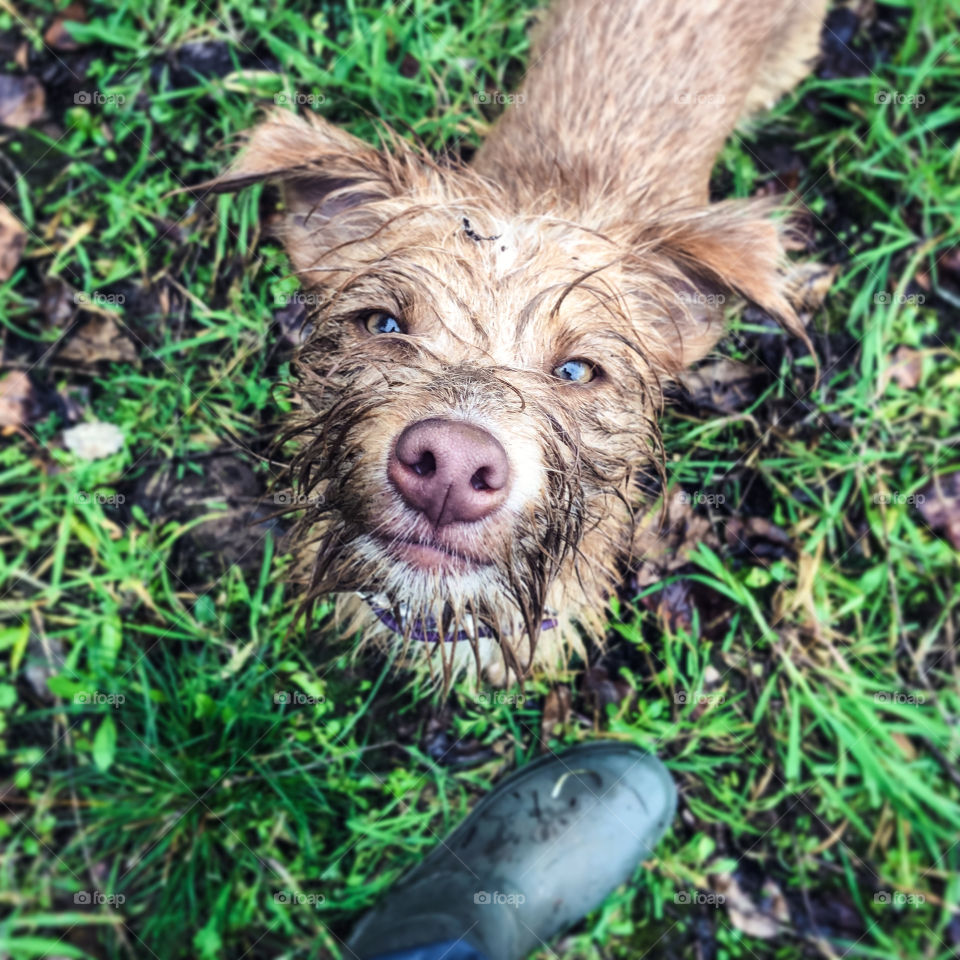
(450, 470)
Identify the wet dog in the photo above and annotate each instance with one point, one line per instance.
(491, 342)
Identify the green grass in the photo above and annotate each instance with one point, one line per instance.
(813, 729)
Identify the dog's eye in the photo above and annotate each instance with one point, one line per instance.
(575, 371)
(382, 322)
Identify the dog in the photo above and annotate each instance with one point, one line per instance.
(491, 341)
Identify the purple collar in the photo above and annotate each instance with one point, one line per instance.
(426, 630)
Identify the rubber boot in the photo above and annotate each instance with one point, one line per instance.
(538, 853)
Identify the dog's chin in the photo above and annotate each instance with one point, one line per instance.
(432, 557)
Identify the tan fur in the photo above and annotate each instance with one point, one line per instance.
(583, 229)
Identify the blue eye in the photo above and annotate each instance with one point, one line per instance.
(381, 322)
(575, 371)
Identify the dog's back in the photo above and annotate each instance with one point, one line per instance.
(636, 97)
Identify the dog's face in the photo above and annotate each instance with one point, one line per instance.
(480, 390)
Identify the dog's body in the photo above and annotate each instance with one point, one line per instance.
(491, 343)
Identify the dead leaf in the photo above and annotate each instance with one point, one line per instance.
(57, 36)
(669, 546)
(905, 369)
(74, 401)
(671, 542)
(290, 320)
(13, 238)
(234, 535)
(940, 506)
(556, 711)
(765, 919)
(809, 283)
(906, 747)
(22, 100)
(18, 400)
(410, 66)
(758, 536)
(601, 689)
(57, 302)
(725, 385)
(97, 340)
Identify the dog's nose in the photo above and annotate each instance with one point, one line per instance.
(450, 470)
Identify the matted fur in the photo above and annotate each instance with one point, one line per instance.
(582, 230)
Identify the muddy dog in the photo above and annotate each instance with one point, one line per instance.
(491, 342)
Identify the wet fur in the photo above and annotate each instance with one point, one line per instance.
(582, 229)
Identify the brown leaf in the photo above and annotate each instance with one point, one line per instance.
(940, 506)
(410, 66)
(57, 36)
(757, 536)
(906, 747)
(98, 340)
(18, 400)
(74, 401)
(13, 238)
(231, 536)
(22, 100)
(809, 283)
(556, 711)
(765, 919)
(674, 604)
(671, 543)
(57, 302)
(905, 369)
(600, 689)
(725, 385)
(667, 550)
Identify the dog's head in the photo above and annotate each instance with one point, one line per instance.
(482, 382)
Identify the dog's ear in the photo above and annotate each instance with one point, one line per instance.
(323, 172)
(735, 247)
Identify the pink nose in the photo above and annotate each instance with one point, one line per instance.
(450, 470)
